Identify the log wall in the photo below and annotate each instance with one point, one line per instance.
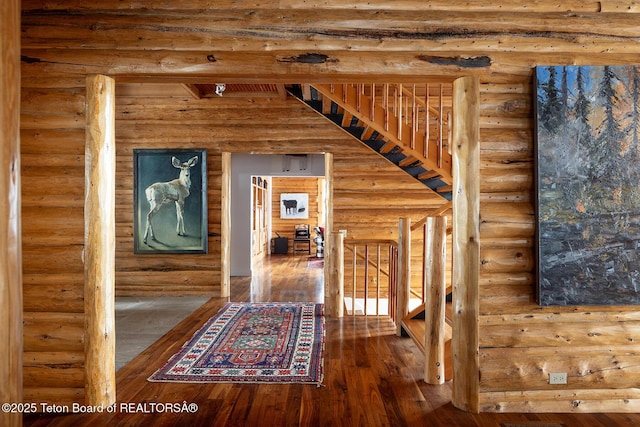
(336, 41)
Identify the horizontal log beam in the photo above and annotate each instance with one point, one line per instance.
(411, 5)
(305, 30)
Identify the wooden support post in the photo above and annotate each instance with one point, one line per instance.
(435, 295)
(404, 272)
(328, 194)
(225, 227)
(11, 341)
(466, 243)
(99, 250)
(334, 287)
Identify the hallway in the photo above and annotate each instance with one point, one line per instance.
(372, 377)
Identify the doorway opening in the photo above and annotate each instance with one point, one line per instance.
(258, 183)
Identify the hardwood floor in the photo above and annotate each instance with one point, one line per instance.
(372, 377)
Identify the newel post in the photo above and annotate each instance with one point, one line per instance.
(334, 271)
(404, 272)
(99, 247)
(435, 299)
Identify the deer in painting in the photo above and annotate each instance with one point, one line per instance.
(177, 190)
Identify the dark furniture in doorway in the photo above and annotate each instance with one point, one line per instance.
(302, 239)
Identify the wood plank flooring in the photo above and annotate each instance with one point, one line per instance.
(372, 377)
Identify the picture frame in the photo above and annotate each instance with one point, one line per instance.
(294, 205)
(170, 189)
(587, 159)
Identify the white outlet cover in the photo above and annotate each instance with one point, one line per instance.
(558, 378)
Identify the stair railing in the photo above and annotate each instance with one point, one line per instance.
(414, 115)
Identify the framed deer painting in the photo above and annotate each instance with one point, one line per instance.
(170, 201)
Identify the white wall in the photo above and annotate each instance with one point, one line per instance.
(243, 167)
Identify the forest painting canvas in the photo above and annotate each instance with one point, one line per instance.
(588, 172)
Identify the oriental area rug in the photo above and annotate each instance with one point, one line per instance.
(315, 262)
(253, 343)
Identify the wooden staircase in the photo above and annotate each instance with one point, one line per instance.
(397, 122)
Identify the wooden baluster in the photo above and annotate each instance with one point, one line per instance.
(441, 110)
(358, 96)
(414, 116)
(385, 105)
(344, 92)
(426, 121)
(372, 111)
(393, 298)
(366, 276)
(354, 279)
(399, 111)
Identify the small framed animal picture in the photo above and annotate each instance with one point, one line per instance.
(294, 205)
(170, 201)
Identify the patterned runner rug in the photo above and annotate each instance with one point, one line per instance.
(253, 342)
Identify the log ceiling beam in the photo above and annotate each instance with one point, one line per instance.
(273, 67)
(512, 6)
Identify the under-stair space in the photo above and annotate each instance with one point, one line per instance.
(406, 124)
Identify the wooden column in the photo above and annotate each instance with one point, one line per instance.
(225, 227)
(466, 243)
(99, 251)
(404, 272)
(11, 341)
(435, 294)
(328, 193)
(334, 286)
(328, 224)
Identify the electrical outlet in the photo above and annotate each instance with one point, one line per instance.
(558, 378)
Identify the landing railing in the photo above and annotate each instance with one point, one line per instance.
(370, 277)
(362, 277)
